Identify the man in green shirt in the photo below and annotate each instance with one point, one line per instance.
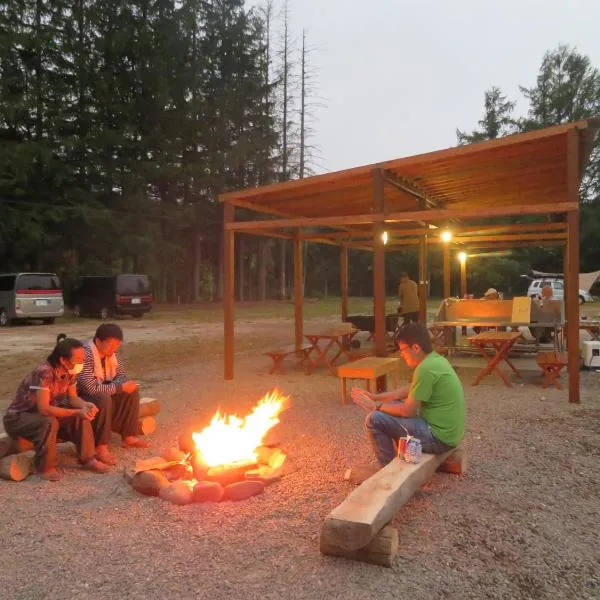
(431, 409)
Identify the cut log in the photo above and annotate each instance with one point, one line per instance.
(147, 425)
(16, 467)
(381, 550)
(373, 504)
(9, 445)
(456, 463)
(149, 407)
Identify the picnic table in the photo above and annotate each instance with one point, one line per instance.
(500, 342)
(337, 338)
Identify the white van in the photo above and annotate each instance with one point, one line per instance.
(26, 296)
(558, 289)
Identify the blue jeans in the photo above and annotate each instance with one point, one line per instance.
(385, 430)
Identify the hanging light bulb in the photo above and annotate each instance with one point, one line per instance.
(446, 236)
(462, 256)
(384, 237)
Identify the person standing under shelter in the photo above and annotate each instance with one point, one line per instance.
(431, 409)
(409, 299)
(103, 381)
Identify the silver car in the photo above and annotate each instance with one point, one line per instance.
(26, 296)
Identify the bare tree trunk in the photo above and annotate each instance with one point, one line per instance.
(263, 249)
(197, 266)
(286, 74)
(282, 269)
(241, 269)
(303, 105)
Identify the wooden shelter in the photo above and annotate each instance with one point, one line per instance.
(469, 188)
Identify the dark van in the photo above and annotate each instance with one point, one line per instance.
(25, 296)
(106, 296)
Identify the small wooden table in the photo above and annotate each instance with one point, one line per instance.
(335, 337)
(501, 342)
(369, 369)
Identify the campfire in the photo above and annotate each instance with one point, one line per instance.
(232, 458)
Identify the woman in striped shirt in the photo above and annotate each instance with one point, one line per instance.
(103, 381)
(46, 408)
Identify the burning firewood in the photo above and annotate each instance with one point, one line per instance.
(208, 491)
(243, 490)
(149, 483)
(178, 492)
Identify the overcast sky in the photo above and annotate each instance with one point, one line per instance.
(399, 76)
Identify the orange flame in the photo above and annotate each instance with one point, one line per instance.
(230, 439)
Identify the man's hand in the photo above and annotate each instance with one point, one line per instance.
(130, 386)
(363, 398)
(88, 411)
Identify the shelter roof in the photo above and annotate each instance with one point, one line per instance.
(521, 169)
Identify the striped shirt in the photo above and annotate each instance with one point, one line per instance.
(44, 376)
(87, 382)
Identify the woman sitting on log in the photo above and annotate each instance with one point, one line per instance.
(103, 381)
(46, 408)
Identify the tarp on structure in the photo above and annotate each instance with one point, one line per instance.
(586, 280)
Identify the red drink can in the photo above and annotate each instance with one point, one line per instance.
(401, 448)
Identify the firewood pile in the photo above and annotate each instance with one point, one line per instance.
(181, 477)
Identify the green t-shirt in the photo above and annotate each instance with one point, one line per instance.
(437, 387)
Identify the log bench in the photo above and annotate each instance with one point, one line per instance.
(16, 455)
(279, 354)
(359, 527)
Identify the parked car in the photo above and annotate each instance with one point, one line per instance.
(558, 289)
(26, 296)
(106, 296)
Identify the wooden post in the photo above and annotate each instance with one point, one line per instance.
(572, 287)
(447, 272)
(379, 265)
(463, 278)
(298, 290)
(228, 289)
(344, 280)
(423, 279)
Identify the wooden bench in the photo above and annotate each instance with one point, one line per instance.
(552, 364)
(369, 369)
(280, 354)
(16, 455)
(359, 527)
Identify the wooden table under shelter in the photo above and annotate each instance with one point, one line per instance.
(500, 342)
(336, 338)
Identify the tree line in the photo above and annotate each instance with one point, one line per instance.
(121, 123)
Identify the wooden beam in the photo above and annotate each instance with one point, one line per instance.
(509, 237)
(228, 289)
(298, 292)
(440, 214)
(379, 265)
(404, 184)
(447, 272)
(423, 280)
(572, 288)
(344, 281)
(463, 278)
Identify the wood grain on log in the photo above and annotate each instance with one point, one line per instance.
(147, 425)
(16, 467)
(149, 407)
(381, 550)
(373, 504)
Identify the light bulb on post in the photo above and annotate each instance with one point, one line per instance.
(384, 237)
(462, 257)
(446, 236)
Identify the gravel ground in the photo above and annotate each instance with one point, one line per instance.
(521, 524)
